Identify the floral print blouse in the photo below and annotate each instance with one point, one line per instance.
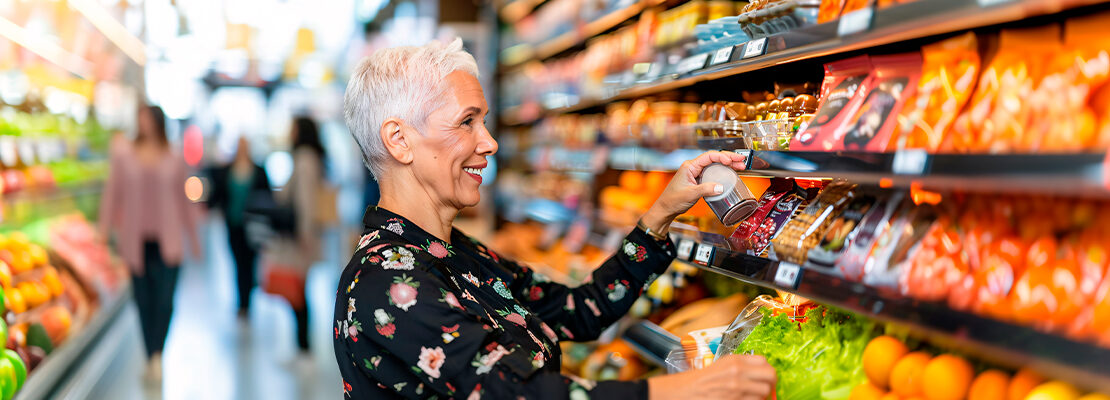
(419, 318)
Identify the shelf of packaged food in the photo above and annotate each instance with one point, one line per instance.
(513, 11)
(984, 338)
(57, 367)
(651, 342)
(581, 34)
(914, 20)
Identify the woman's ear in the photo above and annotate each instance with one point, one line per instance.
(393, 136)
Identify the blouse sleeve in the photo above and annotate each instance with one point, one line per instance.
(582, 313)
(406, 331)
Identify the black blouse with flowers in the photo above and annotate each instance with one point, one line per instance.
(419, 318)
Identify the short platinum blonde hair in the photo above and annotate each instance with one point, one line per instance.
(406, 83)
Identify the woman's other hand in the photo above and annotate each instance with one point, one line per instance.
(683, 190)
(741, 377)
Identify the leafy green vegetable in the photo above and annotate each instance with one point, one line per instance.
(817, 359)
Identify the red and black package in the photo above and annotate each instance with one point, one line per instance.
(767, 202)
(769, 227)
(892, 81)
(838, 93)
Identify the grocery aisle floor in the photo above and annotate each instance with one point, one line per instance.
(210, 354)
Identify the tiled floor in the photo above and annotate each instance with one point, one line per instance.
(210, 354)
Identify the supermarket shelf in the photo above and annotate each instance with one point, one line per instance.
(651, 342)
(514, 10)
(898, 23)
(991, 340)
(56, 368)
(578, 36)
(60, 192)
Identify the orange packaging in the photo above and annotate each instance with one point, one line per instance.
(950, 71)
(829, 10)
(998, 118)
(869, 127)
(854, 5)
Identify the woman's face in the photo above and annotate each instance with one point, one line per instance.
(450, 155)
(146, 123)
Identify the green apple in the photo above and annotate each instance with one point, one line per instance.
(7, 378)
(17, 364)
(3, 331)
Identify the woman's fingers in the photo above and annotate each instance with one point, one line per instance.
(728, 158)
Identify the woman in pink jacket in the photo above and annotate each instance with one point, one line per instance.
(144, 205)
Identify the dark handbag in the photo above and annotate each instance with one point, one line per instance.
(264, 218)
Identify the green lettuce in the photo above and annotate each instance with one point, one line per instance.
(816, 359)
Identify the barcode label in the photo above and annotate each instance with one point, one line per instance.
(685, 247)
(722, 55)
(703, 254)
(910, 162)
(787, 275)
(855, 22)
(755, 48)
(692, 63)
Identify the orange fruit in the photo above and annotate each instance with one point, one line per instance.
(5, 275)
(38, 255)
(1023, 382)
(56, 320)
(906, 377)
(989, 385)
(879, 358)
(21, 262)
(52, 281)
(31, 294)
(1095, 396)
(948, 378)
(1054, 390)
(14, 300)
(866, 391)
(891, 396)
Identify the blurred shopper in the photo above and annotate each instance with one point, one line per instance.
(289, 257)
(423, 310)
(235, 187)
(144, 205)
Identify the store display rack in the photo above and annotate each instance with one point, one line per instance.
(579, 35)
(58, 368)
(987, 339)
(859, 30)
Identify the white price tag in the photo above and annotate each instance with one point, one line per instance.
(722, 55)
(787, 275)
(703, 254)
(910, 162)
(685, 247)
(988, 3)
(855, 22)
(755, 48)
(692, 63)
(9, 155)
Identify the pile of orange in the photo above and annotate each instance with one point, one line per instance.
(895, 373)
(27, 278)
(1037, 261)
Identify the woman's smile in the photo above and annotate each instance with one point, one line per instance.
(475, 171)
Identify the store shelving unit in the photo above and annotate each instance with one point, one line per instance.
(580, 34)
(915, 20)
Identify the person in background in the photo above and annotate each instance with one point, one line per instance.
(291, 255)
(145, 207)
(234, 187)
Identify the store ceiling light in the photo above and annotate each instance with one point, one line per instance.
(46, 49)
(100, 18)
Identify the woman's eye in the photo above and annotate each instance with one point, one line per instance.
(468, 121)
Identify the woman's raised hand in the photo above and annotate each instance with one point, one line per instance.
(740, 377)
(683, 190)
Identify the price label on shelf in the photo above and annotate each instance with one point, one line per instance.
(910, 162)
(855, 22)
(988, 3)
(722, 55)
(703, 254)
(788, 274)
(685, 247)
(692, 63)
(755, 48)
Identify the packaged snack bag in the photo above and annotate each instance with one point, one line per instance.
(950, 71)
(761, 238)
(805, 231)
(997, 119)
(886, 263)
(838, 93)
(843, 230)
(1063, 120)
(892, 81)
(779, 189)
(829, 10)
(877, 221)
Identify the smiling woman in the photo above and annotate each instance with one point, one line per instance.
(424, 311)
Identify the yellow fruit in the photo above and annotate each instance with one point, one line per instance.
(1095, 396)
(31, 294)
(906, 377)
(18, 238)
(948, 378)
(879, 358)
(866, 391)
(1054, 390)
(14, 300)
(891, 396)
(52, 281)
(990, 385)
(38, 255)
(5, 275)
(1023, 382)
(21, 262)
